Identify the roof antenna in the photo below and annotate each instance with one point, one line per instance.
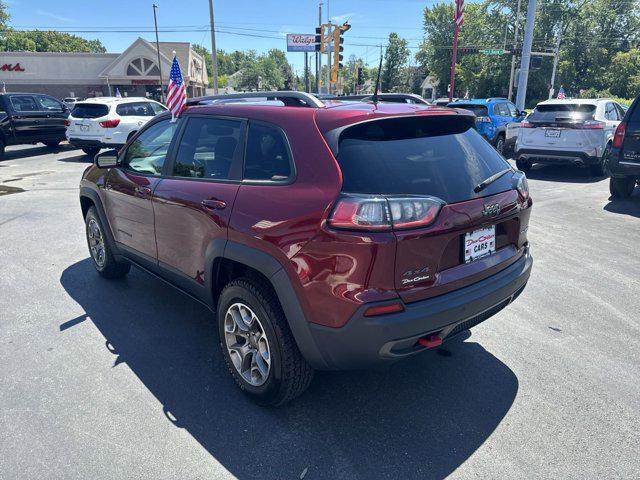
(374, 98)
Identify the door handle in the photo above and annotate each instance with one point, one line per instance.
(213, 204)
(143, 191)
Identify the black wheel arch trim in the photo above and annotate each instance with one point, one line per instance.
(97, 202)
(277, 276)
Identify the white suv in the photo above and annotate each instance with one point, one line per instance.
(108, 122)
(577, 131)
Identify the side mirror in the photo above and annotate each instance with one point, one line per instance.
(106, 159)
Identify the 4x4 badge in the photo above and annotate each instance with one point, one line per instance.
(490, 210)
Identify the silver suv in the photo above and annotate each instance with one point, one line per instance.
(575, 131)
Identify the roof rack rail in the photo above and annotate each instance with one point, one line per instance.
(289, 98)
(491, 99)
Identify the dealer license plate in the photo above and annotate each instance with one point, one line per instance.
(479, 243)
(552, 133)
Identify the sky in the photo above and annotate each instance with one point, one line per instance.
(242, 24)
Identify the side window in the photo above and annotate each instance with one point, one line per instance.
(610, 112)
(24, 103)
(207, 148)
(267, 156)
(147, 153)
(135, 109)
(157, 108)
(501, 110)
(620, 110)
(49, 104)
(513, 111)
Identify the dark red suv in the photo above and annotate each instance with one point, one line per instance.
(325, 236)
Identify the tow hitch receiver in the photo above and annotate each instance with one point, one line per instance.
(431, 341)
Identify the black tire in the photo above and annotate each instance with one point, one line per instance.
(1, 150)
(621, 187)
(52, 143)
(108, 267)
(499, 145)
(523, 165)
(289, 374)
(600, 169)
(91, 151)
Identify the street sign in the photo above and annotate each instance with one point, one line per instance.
(494, 51)
(301, 42)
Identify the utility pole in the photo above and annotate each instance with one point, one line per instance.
(318, 54)
(526, 55)
(515, 44)
(555, 62)
(306, 72)
(214, 53)
(155, 22)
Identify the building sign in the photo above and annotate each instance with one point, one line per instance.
(301, 42)
(10, 67)
(143, 82)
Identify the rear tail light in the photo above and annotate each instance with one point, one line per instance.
(525, 124)
(376, 213)
(521, 184)
(67, 123)
(483, 119)
(618, 137)
(590, 125)
(110, 123)
(383, 309)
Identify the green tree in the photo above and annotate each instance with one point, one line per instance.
(48, 41)
(623, 77)
(395, 60)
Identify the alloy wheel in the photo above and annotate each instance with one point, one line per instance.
(247, 344)
(96, 242)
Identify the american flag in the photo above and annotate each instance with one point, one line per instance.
(459, 13)
(177, 90)
(561, 95)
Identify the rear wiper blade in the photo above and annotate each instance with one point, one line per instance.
(485, 183)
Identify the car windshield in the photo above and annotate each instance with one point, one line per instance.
(436, 156)
(568, 112)
(478, 110)
(89, 110)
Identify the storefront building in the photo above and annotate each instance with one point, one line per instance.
(134, 72)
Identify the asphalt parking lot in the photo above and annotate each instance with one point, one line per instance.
(125, 380)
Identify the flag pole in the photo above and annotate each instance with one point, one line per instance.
(454, 54)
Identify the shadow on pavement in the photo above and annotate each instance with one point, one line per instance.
(562, 173)
(34, 150)
(418, 419)
(625, 206)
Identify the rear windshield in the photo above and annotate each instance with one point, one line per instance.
(479, 110)
(89, 110)
(436, 156)
(562, 112)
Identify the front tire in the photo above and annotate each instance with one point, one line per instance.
(523, 165)
(621, 187)
(100, 249)
(91, 151)
(258, 345)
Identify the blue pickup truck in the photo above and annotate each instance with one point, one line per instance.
(492, 117)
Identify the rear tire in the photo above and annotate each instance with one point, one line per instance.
(52, 143)
(499, 146)
(100, 249)
(523, 165)
(600, 169)
(258, 345)
(1, 150)
(621, 187)
(91, 151)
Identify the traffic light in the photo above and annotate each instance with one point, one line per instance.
(359, 75)
(338, 49)
(320, 39)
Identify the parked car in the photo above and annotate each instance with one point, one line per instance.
(108, 122)
(29, 118)
(492, 117)
(444, 101)
(575, 131)
(623, 163)
(70, 102)
(324, 237)
(387, 97)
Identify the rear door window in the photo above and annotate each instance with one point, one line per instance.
(24, 103)
(610, 112)
(436, 156)
(562, 112)
(135, 109)
(89, 110)
(207, 148)
(478, 110)
(267, 157)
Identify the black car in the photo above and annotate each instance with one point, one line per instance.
(31, 118)
(624, 158)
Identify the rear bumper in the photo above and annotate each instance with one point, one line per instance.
(87, 143)
(370, 341)
(558, 156)
(623, 167)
